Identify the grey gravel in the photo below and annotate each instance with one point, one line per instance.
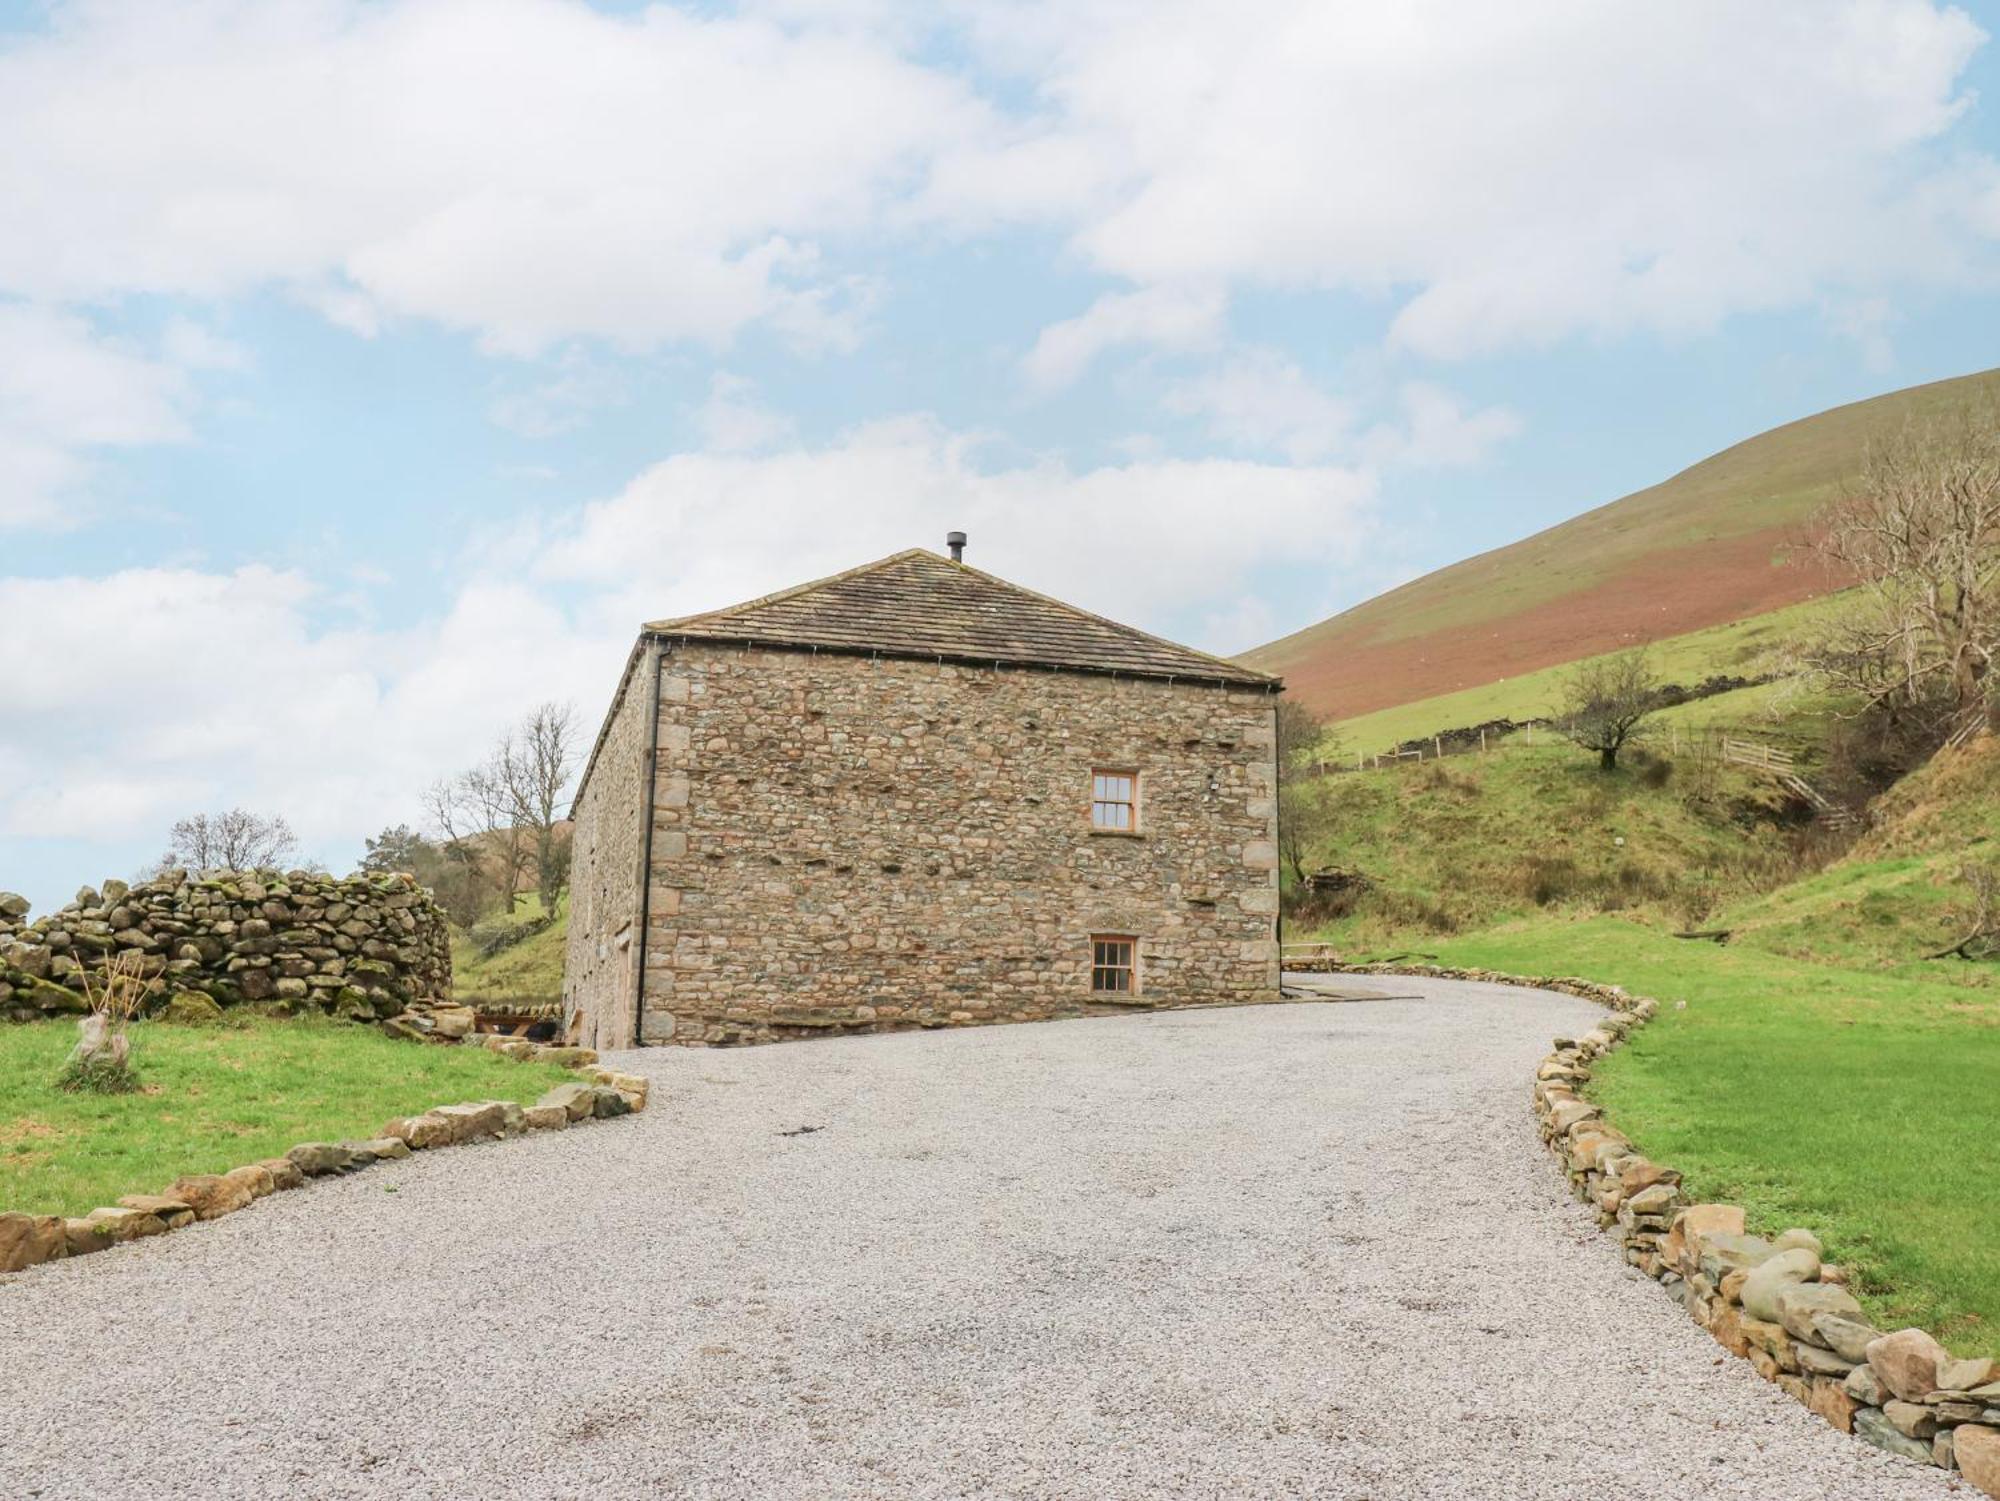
(1304, 1250)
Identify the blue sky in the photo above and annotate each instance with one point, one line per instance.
(368, 371)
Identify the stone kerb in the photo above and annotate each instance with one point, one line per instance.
(1773, 1302)
(366, 947)
(596, 1094)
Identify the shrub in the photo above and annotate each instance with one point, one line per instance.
(101, 1061)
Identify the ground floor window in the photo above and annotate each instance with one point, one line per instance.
(1111, 962)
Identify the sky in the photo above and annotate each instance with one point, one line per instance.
(370, 369)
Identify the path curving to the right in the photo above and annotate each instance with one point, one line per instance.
(1289, 1250)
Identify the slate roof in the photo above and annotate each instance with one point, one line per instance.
(917, 604)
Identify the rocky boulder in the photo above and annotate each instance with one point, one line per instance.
(1801, 1306)
(1907, 1363)
(210, 1195)
(575, 1099)
(30, 1239)
(1976, 1452)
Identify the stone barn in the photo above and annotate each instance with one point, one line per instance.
(917, 795)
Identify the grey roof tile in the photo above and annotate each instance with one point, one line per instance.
(917, 604)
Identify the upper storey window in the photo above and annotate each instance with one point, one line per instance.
(1114, 801)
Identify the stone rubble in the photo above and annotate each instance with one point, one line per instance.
(29, 1239)
(1773, 1302)
(367, 947)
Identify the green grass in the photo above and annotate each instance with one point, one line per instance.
(1741, 649)
(530, 970)
(1822, 1071)
(215, 1098)
(1901, 893)
(1865, 1106)
(1464, 843)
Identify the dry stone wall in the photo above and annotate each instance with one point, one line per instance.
(845, 843)
(368, 947)
(1772, 1301)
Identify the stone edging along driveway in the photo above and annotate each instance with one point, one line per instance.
(1772, 1302)
(600, 1093)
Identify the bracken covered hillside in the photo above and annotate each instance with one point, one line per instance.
(1703, 548)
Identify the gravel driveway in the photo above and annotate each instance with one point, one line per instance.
(1305, 1250)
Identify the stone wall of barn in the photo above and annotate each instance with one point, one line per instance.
(364, 946)
(847, 843)
(599, 983)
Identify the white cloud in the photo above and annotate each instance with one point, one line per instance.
(335, 727)
(529, 170)
(1437, 432)
(1159, 543)
(65, 393)
(1168, 317)
(1259, 399)
(1508, 175)
(535, 171)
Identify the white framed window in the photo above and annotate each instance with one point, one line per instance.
(1114, 801)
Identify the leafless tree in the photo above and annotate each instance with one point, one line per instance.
(536, 763)
(236, 840)
(474, 817)
(1919, 534)
(503, 818)
(1604, 701)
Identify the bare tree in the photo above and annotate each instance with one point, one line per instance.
(536, 763)
(236, 840)
(1604, 701)
(503, 818)
(1919, 533)
(474, 816)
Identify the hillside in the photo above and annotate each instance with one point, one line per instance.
(1702, 549)
(528, 968)
(1901, 892)
(1457, 845)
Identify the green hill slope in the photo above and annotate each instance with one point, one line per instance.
(528, 970)
(1473, 841)
(1901, 893)
(1702, 549)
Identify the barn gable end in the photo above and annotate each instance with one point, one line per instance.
(870, 804)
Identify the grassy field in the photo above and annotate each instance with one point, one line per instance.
(529, 970)
(1741, 649)
(1865, 1105)
(214, 1098)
